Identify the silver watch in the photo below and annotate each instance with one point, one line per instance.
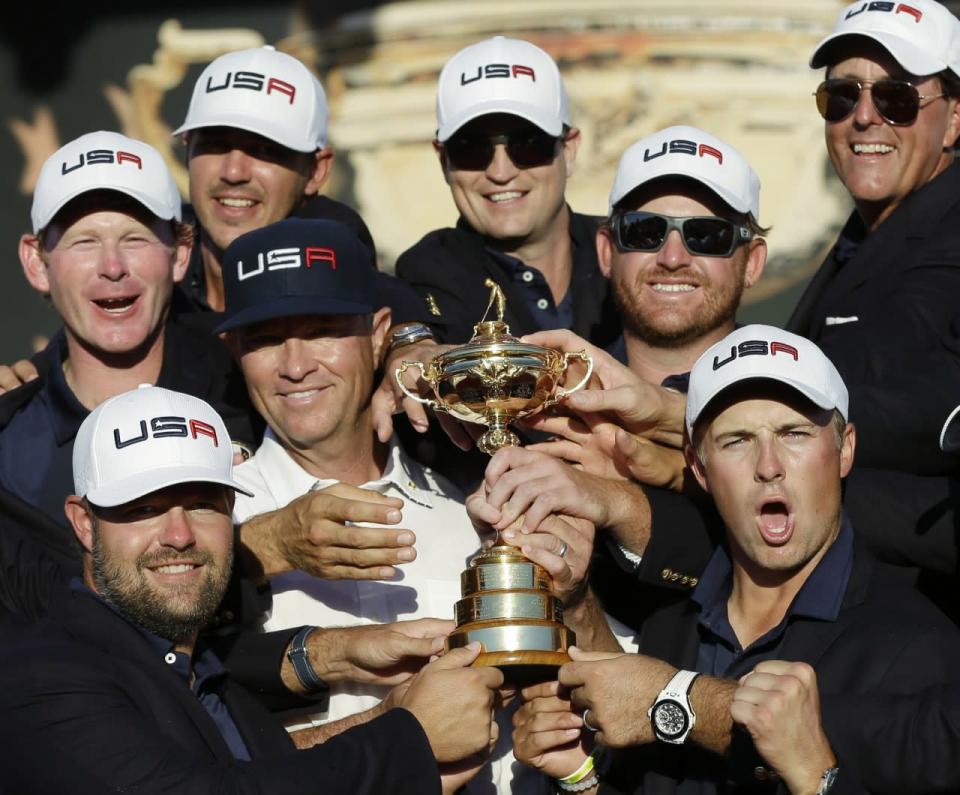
(672, 715)
(407, 334)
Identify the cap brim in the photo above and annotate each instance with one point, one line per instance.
(126, 490)
(549, 123)
(912, 58)
(146, 201)
(253, 125)
(728, 198)
(291, 306)
(815, 396)
(950, 435)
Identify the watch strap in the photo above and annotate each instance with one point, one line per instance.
(679, 686)
(300, 659)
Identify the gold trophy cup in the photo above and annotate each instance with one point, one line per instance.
(493, 380)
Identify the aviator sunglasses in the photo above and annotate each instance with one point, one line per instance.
(526, 149)
(897, 101)
(705, 235)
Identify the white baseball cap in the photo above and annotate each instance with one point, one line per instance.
(148, 439)
(501, 75)
(770, 353)
(683, 151)
(104, 161)
(923, 36)
(263, 91)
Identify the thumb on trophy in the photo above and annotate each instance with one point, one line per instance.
(456, 658)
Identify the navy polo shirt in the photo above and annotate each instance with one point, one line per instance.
(819, 599)
(536, 293)
(204, 669)
(36, 446)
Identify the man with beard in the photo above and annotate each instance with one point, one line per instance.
(114, 691)
(680, 245)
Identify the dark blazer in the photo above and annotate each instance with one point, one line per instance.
(450, 266)
(885, 639)
(921, 736)
(88, 707)
(900, 356)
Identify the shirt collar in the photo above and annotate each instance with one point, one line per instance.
(286, 479)
(66, 412)
(820, 597)
(205, 666)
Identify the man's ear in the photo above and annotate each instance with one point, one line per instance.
(756, 261)
(442, 157)
(605, 247)
(34, 268)
(231, 339)
(695, 464)
(80, 520)
(181, 255)
(952, 131)
(848, 445)
(322, 163)
(382, 320)
(571, 145)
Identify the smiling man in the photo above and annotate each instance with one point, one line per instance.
(768, 440)
(258, 152)
(308, 339)
(507, 148)
(117, 682)
(680, 246)
(106, 248)
(882, 306)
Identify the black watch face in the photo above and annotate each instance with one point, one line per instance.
(670, 719)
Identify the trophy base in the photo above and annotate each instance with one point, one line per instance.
(525, 652)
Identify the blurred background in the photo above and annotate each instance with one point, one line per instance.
(737, 68)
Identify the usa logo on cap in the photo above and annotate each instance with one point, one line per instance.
(298, 266)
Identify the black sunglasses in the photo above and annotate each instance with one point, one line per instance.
(526, 149)
(897, 101)
(706, 235)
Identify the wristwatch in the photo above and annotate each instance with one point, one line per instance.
(827, 780)
(672, 715)
(300, 659)
(407, 334)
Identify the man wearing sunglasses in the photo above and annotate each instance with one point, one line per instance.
(882, 306)
(681, 244)
(506, 148)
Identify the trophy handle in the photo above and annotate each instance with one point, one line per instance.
(562, 393)
(398, 374)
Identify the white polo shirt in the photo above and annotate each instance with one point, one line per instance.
(427, 587)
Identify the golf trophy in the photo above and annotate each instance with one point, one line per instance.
(493, 380)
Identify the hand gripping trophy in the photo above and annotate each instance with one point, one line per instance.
(493, 380)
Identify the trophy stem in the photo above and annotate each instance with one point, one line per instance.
(499, 435)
